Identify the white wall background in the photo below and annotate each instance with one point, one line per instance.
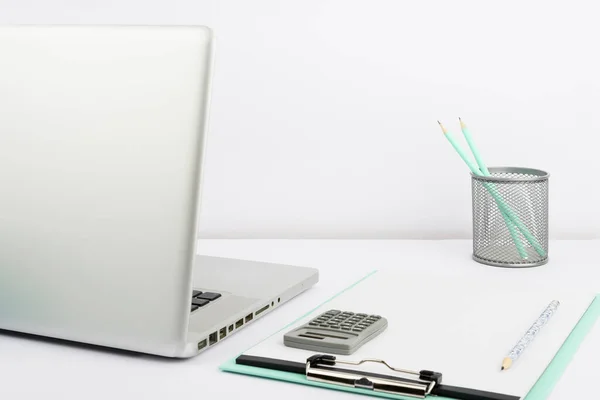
(324, 111)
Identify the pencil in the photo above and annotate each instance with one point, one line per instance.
(467, 134)
(531, 333)
(474, 169)
(512, 230)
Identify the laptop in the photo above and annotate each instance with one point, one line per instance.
(102, 136)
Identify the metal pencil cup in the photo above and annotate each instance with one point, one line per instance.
(510, 217)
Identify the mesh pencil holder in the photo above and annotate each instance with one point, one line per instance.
(510, 217)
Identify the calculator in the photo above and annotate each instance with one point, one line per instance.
(336, 332)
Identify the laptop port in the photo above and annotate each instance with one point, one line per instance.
(212, 339)
(249, 317)
(262, 310)
(239, 323)
(201, 344)
(230, 328)
(222, 333)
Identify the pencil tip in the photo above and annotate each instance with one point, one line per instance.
(501, 368)
(442, 126)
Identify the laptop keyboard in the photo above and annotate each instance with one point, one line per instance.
(200, 299)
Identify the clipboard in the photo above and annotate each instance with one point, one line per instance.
(325, 369)
(540, 389)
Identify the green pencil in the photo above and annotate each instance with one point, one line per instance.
(473, 148)
(497, 197)
(482, 167)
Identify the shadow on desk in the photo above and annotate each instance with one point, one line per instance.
(90, 347)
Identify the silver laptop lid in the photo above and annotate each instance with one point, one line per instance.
(101, 141)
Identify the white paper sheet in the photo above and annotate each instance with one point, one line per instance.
(460, 328)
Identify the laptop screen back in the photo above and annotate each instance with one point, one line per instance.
(101, 142)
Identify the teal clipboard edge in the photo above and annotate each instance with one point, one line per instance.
(540, 391)
(545, 384)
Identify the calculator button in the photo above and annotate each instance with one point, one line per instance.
(334, 312)
(357, 330)
(362, 315)
(313, 324)
(335, 327)
(324, 326)
(346, 328)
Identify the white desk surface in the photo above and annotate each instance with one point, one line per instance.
(40, 368)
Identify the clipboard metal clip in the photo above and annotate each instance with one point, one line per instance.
(323, 368)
